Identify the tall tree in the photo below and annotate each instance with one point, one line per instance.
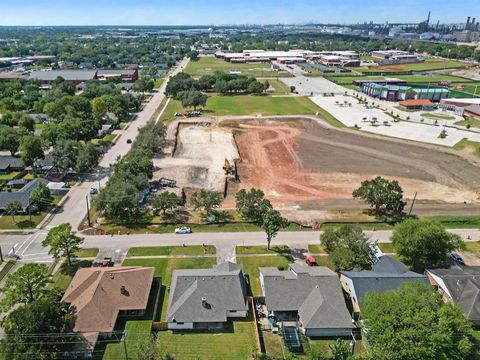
(348, 248)
(414, 323)
(25, 285)
(424, 243)
(65, 154)
(9, 139)
(28, 327)
(382, 195)
(193, 98)
(272, 223)
(206, 200)
(41, 197)
(88, 157)
(31, 149)
(164, 201)
(13, 207)
(63, 242)
(251, 204)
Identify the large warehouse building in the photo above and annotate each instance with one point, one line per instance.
(404, 92)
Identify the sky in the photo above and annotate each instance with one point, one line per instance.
(221, 12)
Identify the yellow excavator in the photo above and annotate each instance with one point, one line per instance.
(229, 170)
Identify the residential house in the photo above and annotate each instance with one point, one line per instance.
(387, 274)
(126, 75)
(98, 296)
(9, 164)
(207, 298)
(311, 296)
(22, 196)
(460, 285)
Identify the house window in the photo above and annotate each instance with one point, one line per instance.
(180, 323)
(233, 311)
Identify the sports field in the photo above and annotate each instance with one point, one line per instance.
(208, 65)
(425, 66)
(414, 79)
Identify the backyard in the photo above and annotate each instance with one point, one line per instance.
(24, 221)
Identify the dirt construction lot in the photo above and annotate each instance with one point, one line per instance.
(302, 165)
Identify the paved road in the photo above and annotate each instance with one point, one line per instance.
(75, 208)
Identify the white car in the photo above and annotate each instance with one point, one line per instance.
(183, 230)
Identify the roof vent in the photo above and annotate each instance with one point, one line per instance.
(124, 291)
(205, 304)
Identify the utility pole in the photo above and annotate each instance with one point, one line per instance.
(413, 202)
(1, 254)
(88, 212)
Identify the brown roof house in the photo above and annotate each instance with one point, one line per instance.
(99, 295)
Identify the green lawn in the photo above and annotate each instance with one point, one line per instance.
(316, 249)
(63, 277)
(278, 86)
(159, 82)
(6, 268)
(273, 345)
(363, 225)
(425, 66)
(174, 106)
(87, 253)
(250, 267)
(208, 65)
(249, 250)
(458, 222)
(473, 247)
(236, 343)
(470, 146)
(137, 332)
(386, 248)
(472, 88)
(23, 221)
(8, 177)
(436, 116)
(469, 121)
(171, 250)
(165, 267)
(264, 105)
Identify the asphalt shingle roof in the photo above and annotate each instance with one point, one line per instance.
(9, 161)
(387, 274)
(223, 287)
(67, 75)
(314, 292)
(463, 284)
(22, 195)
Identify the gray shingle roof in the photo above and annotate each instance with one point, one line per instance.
(9, 161)
(463, 284)
(314, 292)
(223, 286)
(68, 75)
(387, 274)
(22, 195)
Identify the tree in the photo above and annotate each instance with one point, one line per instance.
(256, 87)
(144, 84)
(206, 200)
(9, 139)
(26, 122)
(272, 223)
(193, 98)
(165, 201)
(251, 204)
(348, 248)
(424, 243)
(381, 194)
(341, 350)
(99, 107)
(13, 207)
(63, 242)
(25, 285)
(88, 157)
(193, 55)
(41, 197)
(414, 323)
(27, 329)
(31, 149)
(65, 154)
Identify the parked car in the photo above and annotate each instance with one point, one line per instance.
(457, 258)
(93, 191)
(183, 230)
(310, 261)
(106, 262)
(129, 141)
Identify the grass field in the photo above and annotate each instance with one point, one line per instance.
(264, 105)
(171, 250)
(316, 249)
(8, 177)
(137, 332)
(23, 221)
(278, 86)
(458, 222)
(387, 248)
(412, 79)
(164, 269)
(469, 121)
(249, 250)
(238, 342)
(208, 65)
(425, 66)
(250, 267)
(436, 116)
(470, 146)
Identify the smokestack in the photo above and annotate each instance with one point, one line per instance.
(468, 20)
(473, 22)
(428, 19)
